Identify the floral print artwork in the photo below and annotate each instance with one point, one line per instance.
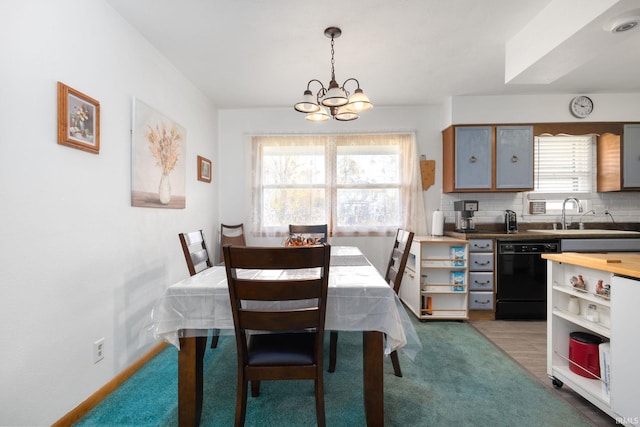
(158, 160)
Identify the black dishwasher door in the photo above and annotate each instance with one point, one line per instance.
(521, 279)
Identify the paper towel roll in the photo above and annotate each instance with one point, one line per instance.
(437, 223)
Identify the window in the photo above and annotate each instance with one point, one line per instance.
(354, 183)
(563, 164)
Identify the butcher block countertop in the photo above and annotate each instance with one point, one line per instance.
(626, 264)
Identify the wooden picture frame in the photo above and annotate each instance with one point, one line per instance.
(78, 120)
(204, 169)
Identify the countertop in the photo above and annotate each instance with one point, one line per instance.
(620, 263)
(538, 231)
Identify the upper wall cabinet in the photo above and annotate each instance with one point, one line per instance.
(473, 157)
(514, 157)
(487, 158)
(619, 160)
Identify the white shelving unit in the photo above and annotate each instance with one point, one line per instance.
(436, 278)
(615, 318)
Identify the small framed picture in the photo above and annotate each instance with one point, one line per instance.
(78, 120)
(204, 169)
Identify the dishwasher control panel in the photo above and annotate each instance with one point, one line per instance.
(529, 247)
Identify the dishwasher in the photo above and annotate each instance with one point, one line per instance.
(521, 278)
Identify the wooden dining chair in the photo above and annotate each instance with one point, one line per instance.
(231, 235)
(393, 276)
(317, 230)
(290, 343)
(197, 257)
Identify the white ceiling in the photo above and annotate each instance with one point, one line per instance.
(258, 53)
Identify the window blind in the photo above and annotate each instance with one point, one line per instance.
(563, 164)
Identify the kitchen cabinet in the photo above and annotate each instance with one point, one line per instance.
(609, 318)
(631, 154)
(481, 278)
(473, 157)
(618, 160)
(487, 158)
(514, 157)
(435, 285)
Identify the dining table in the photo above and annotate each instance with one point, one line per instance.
(358, 299)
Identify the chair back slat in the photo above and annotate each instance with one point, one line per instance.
(278, 258)
(278, 290)
(281, 320)
(195, 251)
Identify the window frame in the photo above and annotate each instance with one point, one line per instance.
(331, 142)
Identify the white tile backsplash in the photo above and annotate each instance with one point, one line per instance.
(623, 206)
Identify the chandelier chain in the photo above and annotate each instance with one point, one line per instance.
(333, 73)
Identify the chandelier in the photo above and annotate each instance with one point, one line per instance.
(335, 101)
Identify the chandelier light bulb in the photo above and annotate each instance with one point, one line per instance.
(322, 115)
(345, 114)
(359, 101)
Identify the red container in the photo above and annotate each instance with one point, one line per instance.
(584, 351)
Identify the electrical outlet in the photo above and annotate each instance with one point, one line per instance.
(98, 350)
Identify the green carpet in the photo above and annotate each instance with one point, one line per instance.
(458, 379)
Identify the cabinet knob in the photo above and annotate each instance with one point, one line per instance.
(514, 159)
(473, 159)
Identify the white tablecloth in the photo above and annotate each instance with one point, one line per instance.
(358, 300)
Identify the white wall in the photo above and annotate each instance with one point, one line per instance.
(542, 109)
(78, 262)
(236, 125)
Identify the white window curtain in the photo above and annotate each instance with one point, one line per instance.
(357, 184)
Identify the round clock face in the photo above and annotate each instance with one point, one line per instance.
(581, 106)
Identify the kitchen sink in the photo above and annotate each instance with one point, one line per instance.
(587, 232)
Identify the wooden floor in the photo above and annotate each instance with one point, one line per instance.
(526, 342)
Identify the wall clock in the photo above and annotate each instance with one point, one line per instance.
(581, 106)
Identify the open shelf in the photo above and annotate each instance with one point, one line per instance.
(581, 321)
(437, 278)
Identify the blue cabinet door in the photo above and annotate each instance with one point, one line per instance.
(473, 157)
(514, 157)
(631, 156)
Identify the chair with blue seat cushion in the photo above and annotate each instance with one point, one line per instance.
(286, 313)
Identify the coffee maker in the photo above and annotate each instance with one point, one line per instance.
(464, 215)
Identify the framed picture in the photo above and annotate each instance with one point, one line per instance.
(204, 169)
(78, 120)
(158, 167)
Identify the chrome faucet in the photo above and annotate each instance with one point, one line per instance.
(569, 199)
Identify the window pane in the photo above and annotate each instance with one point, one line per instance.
(368, 207)
(284, 206)
(370, 169)
(293, 165)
